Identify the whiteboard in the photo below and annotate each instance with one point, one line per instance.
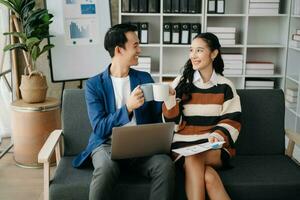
(78, 27)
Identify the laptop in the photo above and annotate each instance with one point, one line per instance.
(141, 140)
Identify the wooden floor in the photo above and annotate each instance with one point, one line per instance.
(18, 183)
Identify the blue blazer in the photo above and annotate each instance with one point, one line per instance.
(103, 115)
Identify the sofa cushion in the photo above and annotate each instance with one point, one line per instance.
(75, 121)
(269, 177)
(262, 122)
(73, 184)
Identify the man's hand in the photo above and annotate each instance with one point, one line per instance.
(135, 100)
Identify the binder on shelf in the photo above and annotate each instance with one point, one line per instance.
(195, 30)
(194, 6)
(125, 5)
(167, 6)
(175, 6)
(185, 33)
(143, 6)
(211, 6)
(220, 7)
(183, 6)
(175, 33)
(167, 33)
(134, 6)
(137, 25)
(144, 33)
(153, 6)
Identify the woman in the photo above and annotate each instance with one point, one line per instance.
(204, 106)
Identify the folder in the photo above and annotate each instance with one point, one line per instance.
(125, 5)
(220, 6)
(134, 6)
(144, 33)
(185, 33)
(211, 6)
(143, 6)
(195, 30)
(167, 6)
(167, 33)
(175, 6)
(175, 33)
(153, 6)
(194, 6)
(183, 6)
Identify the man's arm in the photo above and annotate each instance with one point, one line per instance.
(101, 120)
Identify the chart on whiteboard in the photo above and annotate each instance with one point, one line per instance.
(81, 22)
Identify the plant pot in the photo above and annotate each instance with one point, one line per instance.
(33, 87)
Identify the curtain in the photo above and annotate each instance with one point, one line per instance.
(5, 93)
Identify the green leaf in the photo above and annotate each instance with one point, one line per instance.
(30, 42)
(16, 34)
(46, 48)
(34, 52)
(15, 46)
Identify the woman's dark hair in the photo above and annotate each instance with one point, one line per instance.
(115, 36)
(186, 81)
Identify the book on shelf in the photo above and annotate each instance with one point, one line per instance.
(264, 11)
(233, 71)
(233, 65)
(227, 56)
(265, 1)
(153, 6)
(258, 88)
(291, 99)
(291, 92)
(259, 83)
(259, 65)
(183, 4)
(259, 71)
(221, 29)
(233, 62)
(225, 35)
(264, 5)
(194, 6)
(296, 37)
(227, 41)
(296, 7)
(290, 105)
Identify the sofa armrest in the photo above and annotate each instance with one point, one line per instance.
(51, 144)
(294, 138)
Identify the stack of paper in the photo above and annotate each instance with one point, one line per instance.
(226, 35)
(259, 84)
(296, 39)
(144, 64)
(259, 68)
(291, 95)
(265, 7)
(233, 64)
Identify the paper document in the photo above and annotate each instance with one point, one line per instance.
(198, 148)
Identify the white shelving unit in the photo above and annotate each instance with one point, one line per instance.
(292, 119)
(259, 38)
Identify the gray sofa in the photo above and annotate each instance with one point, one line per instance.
(261, 169)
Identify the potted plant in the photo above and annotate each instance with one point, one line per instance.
(32, 29)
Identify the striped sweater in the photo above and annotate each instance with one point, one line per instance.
(213, 110)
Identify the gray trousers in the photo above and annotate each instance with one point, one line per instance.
(159, 168)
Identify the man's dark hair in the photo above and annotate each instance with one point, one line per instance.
(115, 36)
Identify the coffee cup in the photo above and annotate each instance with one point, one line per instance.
(148, 91)
(160, 91)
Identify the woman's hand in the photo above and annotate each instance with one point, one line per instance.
(213, 139)
(171, 91)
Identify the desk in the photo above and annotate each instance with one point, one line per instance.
(31, 126)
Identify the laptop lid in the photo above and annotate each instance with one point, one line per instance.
(141, 140)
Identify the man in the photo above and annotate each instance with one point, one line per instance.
(114, 98)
